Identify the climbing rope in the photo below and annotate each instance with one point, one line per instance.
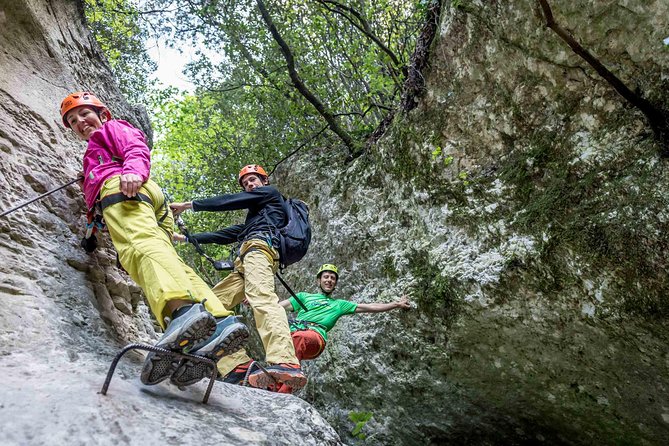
(9, 211)
(219, 265)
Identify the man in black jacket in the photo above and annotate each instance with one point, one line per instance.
(252, 279)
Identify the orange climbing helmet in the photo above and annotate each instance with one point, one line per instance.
(82, 98)
(251, 168)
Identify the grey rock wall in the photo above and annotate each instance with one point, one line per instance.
(65, 314)
(522, 205)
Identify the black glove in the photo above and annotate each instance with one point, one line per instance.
(89, 244)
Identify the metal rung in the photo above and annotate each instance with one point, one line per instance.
(154, 349)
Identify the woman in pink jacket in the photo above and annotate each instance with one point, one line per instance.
(117, 167)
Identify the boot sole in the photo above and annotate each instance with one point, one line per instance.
(158, 367)
(189, 372)
(260, 379)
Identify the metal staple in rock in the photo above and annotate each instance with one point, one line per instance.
(154, 349)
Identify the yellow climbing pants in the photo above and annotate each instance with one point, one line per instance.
(253, 279)
(146, 252)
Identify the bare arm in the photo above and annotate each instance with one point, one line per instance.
(286, 304)
(380, 308)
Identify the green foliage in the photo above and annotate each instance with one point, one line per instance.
(389, 269)
(351, 55)
(435, 293)
(463, 176)
(340, 63)
(600, 212)
(360, 419)
(438, 153)
(118, 28)
(245, 108)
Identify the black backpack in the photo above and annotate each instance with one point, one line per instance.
(294, 238)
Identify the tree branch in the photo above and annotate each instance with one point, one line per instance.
(356, 113)
(413, 86)
(657, 118)
(299, 84)
(415, 83)
(308, 140)
(364, 27)
(225, 89)
(257, 67)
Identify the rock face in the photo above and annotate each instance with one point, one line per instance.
(523, 206)
(65, 313)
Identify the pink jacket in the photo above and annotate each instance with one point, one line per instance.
(114, 149)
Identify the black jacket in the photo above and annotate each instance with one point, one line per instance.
(261, 201)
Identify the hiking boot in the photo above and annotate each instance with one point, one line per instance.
(229, 337)
(237, 375)
(288, 374)
(181, 335)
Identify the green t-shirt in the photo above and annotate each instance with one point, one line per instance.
(322, 310)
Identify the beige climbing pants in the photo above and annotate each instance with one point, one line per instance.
(146, 252)
(253, 279)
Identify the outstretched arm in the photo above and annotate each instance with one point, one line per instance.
(286, 304)
(379, 308)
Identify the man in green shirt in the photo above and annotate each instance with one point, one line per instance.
(309, 328)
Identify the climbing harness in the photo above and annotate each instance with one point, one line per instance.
(305, 325)
(177, 355)
(9, 211)
(120, 197)
(219, 265)
(95, 221)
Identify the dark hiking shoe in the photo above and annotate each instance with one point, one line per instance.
(288, 374)
(229, 337)
(181, 335)
(237, 375)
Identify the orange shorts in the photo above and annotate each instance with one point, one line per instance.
(309, 344)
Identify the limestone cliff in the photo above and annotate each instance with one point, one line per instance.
(523, 206)
(65, 313)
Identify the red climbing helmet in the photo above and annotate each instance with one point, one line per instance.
(251, 168)
(82, 98)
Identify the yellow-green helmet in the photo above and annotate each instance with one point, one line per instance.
(327, 267)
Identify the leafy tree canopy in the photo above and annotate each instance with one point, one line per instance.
(121, 33)
(246, 108)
